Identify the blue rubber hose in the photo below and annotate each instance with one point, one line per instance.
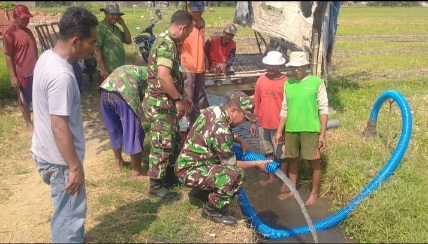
(342, 214)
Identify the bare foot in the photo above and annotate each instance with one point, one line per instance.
(30, 127)
(284, 188)
(123, 164)
(267, 182)
(284, 196)
(137, 175)
(311, 199)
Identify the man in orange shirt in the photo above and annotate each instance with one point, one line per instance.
(194, 60)
(21, 57)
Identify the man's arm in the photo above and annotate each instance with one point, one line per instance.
(164, 75)
(10, 60)
(231, 57)
(259, 164)
(100, 60)
(323, 111)
(207, 53)
(282, 119)
(12, 72)
(127, 34)
(65, 144)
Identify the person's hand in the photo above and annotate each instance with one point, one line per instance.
(244, 146)
(188, 104)
(322, 142)
(261, 165)
(14, 82)
(76, 179)
(222, 67)
(104, 73)
(277, 138)
(181, 109)
(253, 129)
(120, 21)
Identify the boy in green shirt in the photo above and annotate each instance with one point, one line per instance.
(303, 117)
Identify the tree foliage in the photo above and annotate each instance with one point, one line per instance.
(6, 5)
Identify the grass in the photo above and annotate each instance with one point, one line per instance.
(364, 67)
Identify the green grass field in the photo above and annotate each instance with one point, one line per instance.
(377, 49)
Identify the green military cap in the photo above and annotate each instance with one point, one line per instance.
(245, 102)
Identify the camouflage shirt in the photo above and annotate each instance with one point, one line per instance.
(164, 52)
(210, 141)
(130, 81)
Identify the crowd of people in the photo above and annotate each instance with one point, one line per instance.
(288, 113)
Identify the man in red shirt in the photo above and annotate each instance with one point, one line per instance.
(220, 51)
(21, 56)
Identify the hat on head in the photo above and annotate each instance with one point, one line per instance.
(21, 11)
(274, 58)
(245, 102)
(231, 29)
(197, 6)
(297, 59)
(112, 8)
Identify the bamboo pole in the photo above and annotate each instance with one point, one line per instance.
(315, 48)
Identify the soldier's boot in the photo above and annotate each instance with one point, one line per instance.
(157, 189)
(170, 178)
(218, 215)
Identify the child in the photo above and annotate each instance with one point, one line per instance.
(304, 116)
(268, 99)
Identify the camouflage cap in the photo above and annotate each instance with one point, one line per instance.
(231, 29)
(245, 102)
(112, 8)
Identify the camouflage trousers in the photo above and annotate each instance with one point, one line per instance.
(223, 180)
(165, 140)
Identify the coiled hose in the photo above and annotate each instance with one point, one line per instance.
(342, 214)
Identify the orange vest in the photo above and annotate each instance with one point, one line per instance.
(192, 51)
(219, 53)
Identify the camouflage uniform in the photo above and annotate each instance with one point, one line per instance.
(130, 81)
(208, 161)
(159, 108)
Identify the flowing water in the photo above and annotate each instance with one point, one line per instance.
(296, 195)
(285, 214)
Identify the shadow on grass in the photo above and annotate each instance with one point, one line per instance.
(127, 222)
(339, 83)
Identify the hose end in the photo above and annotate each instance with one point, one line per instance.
(272, 167)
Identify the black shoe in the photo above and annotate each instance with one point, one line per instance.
(157, 189)
(218, 215)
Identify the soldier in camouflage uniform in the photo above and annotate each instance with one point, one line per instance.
(121, 95)
(163, 103)
(207, 160)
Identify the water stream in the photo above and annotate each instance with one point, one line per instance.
(296, 195)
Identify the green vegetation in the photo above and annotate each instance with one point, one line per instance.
(377, 49)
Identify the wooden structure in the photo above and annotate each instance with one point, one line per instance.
(248, 67)
(47, 34)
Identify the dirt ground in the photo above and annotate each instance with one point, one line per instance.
(25, 216)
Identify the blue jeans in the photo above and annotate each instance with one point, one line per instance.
(67, 223)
